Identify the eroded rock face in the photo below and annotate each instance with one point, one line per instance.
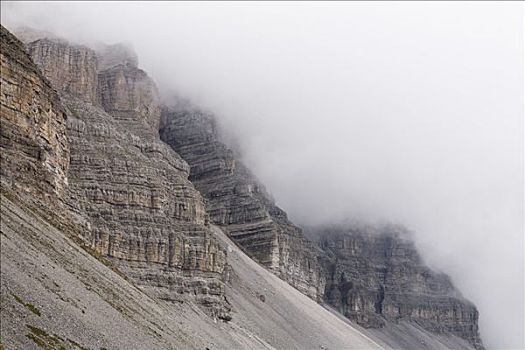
(237, 201)
(144, 213)
(34, 148)
(129, 94)
(375, 275)
(108, 77)
(69, 68)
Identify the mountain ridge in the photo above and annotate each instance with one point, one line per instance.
(176, 257)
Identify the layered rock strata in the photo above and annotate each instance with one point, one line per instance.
(238, 203)
(34, 147)
(69, 68)
(144, 213)
(375, 275)
(130, 95)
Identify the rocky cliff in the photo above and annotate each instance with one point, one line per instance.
(103, 229)
(129, 95)
(375, 276)
(69, 68)
(371, 277)
(143, 212)
(34, 148)
(238, 202)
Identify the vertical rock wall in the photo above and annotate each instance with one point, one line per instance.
(69, 68)
(144, 213)
(238, 203)
(375, 275)
(34, 148)
(129, 95)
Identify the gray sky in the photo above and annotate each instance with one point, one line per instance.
(405, 112)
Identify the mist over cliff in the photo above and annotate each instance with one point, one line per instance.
(411, 113)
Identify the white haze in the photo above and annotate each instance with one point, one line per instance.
(404, 112)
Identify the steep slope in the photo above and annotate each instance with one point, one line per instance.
(238, 202)
(268, 306)
(54, 295)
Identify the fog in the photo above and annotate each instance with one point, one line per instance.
(401, 112)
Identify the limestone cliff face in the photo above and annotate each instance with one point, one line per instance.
(34, 148)
(144, 213)
(375, 275)
(107, 164)
(129, 94)
(69, 68)
(238, 203)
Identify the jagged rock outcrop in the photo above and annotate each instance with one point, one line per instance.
(375, 275)
(34, 148)
(144, 213)
(238, 202)
(69, 68)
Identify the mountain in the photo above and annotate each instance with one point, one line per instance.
(372, 275)
(129, 224)
(134, 191)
